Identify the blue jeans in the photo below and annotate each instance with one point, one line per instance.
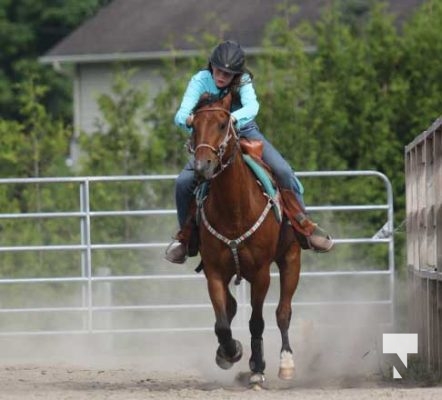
(285, 176)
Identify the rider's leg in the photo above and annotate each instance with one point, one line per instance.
(185, 204)
(316, 238)
(291, 193)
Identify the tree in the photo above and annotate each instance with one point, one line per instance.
(28, 28)
(422, 70)
(337, 107)
(121, 145)
(117, 146)
(35, 147)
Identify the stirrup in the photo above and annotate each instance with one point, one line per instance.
(321, 234)
(177, 254)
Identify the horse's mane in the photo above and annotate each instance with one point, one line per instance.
(207, 99)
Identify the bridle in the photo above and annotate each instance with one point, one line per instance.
(220, 151)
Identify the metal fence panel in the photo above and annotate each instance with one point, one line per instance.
(97, 304)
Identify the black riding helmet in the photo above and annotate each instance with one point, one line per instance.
(228, 57)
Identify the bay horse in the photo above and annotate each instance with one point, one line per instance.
(238, 235)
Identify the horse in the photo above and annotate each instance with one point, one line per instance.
(238, 235)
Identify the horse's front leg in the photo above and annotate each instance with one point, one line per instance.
(289, 270)
(259, 288)
(229, 350)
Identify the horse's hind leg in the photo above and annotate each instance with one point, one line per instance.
(289, 270)
(259, 288)
(229, 350)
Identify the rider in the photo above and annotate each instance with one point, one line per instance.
(226, 72)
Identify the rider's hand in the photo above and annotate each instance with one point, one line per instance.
(189, 120)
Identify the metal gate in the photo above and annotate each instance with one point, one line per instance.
(162, 297)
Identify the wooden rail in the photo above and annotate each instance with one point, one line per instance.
(423, 176)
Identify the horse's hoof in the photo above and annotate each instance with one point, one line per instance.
(238, 353)
(286, 374)
(222, 362)
(225, 362)
(286, 366)
(256, 380)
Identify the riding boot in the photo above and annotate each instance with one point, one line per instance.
(314, 237)
(178, 252)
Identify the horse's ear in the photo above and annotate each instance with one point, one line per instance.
(203, 100)
(227, 100)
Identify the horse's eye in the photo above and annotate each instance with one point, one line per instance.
(222, 126)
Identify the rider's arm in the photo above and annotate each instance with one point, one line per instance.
(249, 102)
(191, 96)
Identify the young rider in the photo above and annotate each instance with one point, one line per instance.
(226, 72)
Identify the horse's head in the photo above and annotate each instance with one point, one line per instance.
(212, 133)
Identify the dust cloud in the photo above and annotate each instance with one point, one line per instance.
(336, 340)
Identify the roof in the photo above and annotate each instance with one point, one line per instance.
(147, 29)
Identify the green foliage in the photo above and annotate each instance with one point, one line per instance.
(165, 137)
(35, 147)
(422, 70)
(348, 104)
(45, 148)
(38, 145)
(117, 147)
(123, 145)
(28, 28)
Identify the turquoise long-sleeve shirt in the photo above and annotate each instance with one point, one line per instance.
(203, 82)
